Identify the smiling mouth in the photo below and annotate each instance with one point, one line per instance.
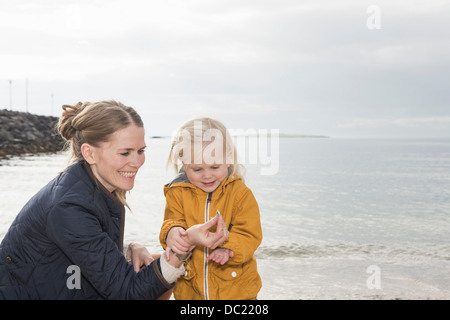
(127, 174)
(208, 183)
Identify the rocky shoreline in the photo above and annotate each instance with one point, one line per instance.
(24, 133)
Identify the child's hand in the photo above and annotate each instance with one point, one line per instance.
(220, 255)
(177, 242)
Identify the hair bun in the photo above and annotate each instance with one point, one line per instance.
(66, 126)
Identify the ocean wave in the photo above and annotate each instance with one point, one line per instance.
(417, 252)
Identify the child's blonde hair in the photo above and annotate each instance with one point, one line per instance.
(204, 131)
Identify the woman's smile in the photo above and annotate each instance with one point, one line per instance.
(128, 174)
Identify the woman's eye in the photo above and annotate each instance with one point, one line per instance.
(141, 151)
(125, 154)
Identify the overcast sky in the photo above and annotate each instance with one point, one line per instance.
(306, 67)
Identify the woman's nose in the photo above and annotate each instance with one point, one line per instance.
(138, 160)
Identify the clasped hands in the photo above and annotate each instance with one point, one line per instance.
(182, 241)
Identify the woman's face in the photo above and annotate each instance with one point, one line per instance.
(116, 162)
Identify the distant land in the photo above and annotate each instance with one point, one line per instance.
(26, 133)
(281, 135)
(288, 135)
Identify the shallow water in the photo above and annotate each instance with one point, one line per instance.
(335, 209)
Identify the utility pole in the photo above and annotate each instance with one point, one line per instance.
(26, 94)
(10, 95)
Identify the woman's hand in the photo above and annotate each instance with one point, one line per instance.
(177, 242)
(199, 234)
(138, 256)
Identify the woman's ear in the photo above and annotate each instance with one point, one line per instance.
(88, 153)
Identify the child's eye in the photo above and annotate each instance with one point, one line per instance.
(197, 169)
(215, 167)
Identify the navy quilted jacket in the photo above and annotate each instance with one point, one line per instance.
(66, 244)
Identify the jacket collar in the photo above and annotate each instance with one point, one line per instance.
(99, 185)
(116, 204)
(182, 181)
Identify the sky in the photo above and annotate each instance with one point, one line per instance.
(349, 68)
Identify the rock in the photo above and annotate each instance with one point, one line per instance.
(22, 132)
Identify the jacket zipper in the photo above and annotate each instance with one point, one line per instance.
(205, 265)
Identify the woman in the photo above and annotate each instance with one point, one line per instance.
(67, 241)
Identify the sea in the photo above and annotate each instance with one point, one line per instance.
(344, 219)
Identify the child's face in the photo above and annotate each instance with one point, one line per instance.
(206, 176)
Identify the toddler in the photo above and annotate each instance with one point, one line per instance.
(210, 182)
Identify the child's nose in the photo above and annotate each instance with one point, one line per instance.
(207, 174)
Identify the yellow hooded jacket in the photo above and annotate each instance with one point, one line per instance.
(187, 205)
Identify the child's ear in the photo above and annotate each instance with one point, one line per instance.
(88, 153)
